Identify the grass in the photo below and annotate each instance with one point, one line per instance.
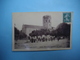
(23, 44)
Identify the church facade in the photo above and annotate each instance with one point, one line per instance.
(46, 25)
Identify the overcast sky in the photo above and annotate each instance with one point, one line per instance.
(36, 18)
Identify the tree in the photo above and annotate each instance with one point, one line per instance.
(40, 32)
(22, 35)
(63, 29)
(19, 34)
(16, 33)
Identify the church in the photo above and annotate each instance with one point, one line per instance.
(46, 25)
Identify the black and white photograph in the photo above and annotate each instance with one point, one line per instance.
(41, 31)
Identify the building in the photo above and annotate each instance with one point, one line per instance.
(46, 25)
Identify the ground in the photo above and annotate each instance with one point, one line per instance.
(23, 44)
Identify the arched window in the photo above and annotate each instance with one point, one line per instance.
(46, 20)
(49, 20)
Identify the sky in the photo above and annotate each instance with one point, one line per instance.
(36, 18)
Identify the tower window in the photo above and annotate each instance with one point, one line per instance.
(49, 20)
(46, 20)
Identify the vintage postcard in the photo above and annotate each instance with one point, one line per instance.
(39, 31)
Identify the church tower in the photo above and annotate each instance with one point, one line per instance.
(47, 22)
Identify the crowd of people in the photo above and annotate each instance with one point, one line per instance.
(43, 38)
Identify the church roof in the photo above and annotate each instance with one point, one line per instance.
(32, 26)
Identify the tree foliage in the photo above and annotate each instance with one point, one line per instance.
(19, 34)
(63, 29)
(40, 32)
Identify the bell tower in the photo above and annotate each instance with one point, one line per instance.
(47, 22)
